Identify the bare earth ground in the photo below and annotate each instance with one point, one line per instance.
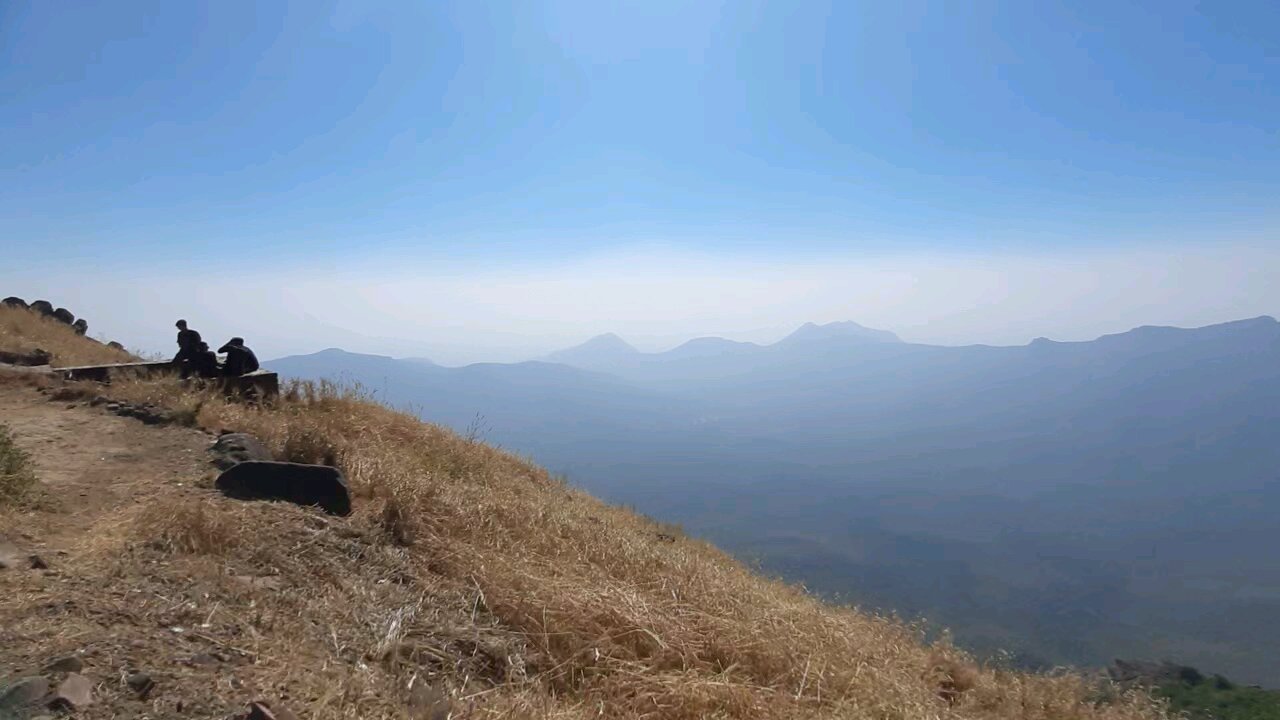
(92, 462)
(93, 466)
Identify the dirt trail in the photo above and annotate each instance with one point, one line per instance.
(91, 462)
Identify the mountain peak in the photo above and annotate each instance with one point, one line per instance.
(608, 340)
(845, 330)
(599, 349)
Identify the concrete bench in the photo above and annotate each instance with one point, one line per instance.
(259, 383)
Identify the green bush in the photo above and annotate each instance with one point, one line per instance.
(17, 475)
(1222, 700)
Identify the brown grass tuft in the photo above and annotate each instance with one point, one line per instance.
(17, 473)
(198, 528)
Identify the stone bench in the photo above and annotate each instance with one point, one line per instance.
(259, 383)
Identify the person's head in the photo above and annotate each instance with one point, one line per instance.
(181, 324)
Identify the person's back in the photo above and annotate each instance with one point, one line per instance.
(188, 339)
(188, 347)
(204, 362)
(188, 342)
(240, 359)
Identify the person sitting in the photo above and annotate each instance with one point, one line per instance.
(204, 362)
(188, 346)
(240, 359)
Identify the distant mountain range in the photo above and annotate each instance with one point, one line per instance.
(1069, 502)
(609, 352)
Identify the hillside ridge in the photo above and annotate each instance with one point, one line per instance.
(467, 583)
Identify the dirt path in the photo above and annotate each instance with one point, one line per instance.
(91, 462)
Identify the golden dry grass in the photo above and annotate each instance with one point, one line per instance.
(24, 331)
(474, 571)
(17, 475)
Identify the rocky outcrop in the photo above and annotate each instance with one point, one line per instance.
(146, 412)
(308, 485)
(234, 448)
(64, 316)
(46, 308)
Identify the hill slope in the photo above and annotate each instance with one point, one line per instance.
(1069, 502)
(467, 582)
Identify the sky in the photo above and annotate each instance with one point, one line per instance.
(492, 181)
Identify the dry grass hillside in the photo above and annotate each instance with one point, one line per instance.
(23, 331)
(468, 583)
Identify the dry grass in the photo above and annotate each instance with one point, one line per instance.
(24, 331)
(475, 572)
(17, 475)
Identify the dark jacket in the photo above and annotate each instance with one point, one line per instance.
(204, 362)
(188, 344)
(240, 360)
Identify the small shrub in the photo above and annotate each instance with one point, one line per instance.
(17, 474)
(193, 528)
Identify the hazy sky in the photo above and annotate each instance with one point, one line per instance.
(468, 180)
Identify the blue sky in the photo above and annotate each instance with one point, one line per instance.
(171, 138)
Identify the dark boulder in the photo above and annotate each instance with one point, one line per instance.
(141, 683)
(81, 326)
(22, 693)
(293, 482)
(44, 307)
(234, 448)
(64, 316)
(115, 345)
(15, 302)
(29, 359)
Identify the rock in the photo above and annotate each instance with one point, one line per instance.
(204, 660)
(153, 416)
(98, 400)
(234, 448)
(81, 326)
(428, 702)
(70, 663)
(115, 345)
(37, 563)
(261, 711)
(73, 693)
(141, 683)
(31, 358)
(15, 302)
(64, 316)
(21, 693)
(44, 307)
(293, 482)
